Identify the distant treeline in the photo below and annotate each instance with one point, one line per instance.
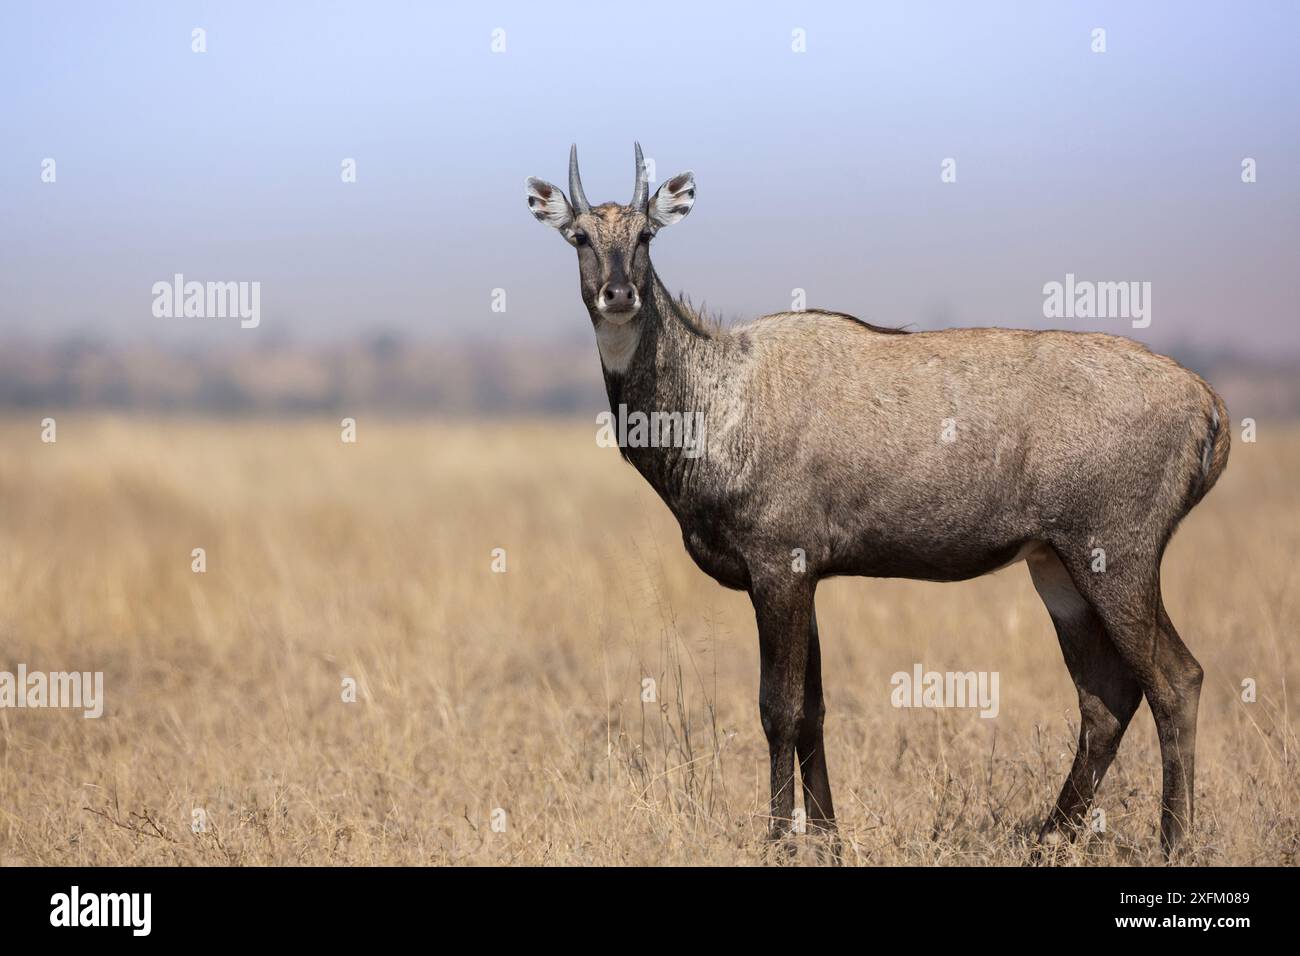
(389, 374)
(382, 374)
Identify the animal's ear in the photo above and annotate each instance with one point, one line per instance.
(548, 204)
(673, 200)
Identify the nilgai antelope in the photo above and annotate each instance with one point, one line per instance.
(938, 456)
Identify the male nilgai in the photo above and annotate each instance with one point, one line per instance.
(934, 455)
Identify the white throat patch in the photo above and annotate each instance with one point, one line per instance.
(617, 343)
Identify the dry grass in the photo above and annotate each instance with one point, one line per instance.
(522, 690)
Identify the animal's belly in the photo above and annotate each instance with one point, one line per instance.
(956, 561)
(953, 565)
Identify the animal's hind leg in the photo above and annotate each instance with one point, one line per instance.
(1177, 698)
(1127, 599)
(810, 746)
(1109, 693)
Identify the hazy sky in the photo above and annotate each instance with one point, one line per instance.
(818, 170)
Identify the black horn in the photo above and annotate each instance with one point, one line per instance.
(580, 204)
(641, 189)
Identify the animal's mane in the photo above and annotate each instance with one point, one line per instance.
(699, 320)
(711, 325)
(881, 329)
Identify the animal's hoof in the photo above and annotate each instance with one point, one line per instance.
(1047, 848)
(781, 848)
(830, 848)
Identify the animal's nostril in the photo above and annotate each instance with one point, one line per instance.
(618, 295)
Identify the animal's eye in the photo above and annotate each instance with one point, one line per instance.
(580, 238)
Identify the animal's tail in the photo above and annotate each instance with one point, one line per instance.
(1214, 455)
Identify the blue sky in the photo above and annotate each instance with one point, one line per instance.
(817, 170)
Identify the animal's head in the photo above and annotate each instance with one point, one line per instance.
(613, 241)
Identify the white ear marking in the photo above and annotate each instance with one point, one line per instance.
(548, 204)
(673, 200)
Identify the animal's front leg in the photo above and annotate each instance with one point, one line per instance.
(784, 612)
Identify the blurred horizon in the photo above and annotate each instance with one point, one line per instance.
(818, 170)
(391, 374)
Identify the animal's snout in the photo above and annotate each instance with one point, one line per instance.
(618, 297)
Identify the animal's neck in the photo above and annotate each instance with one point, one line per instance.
(663, 361)
(658, 360)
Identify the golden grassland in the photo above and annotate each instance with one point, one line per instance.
(522, 691)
